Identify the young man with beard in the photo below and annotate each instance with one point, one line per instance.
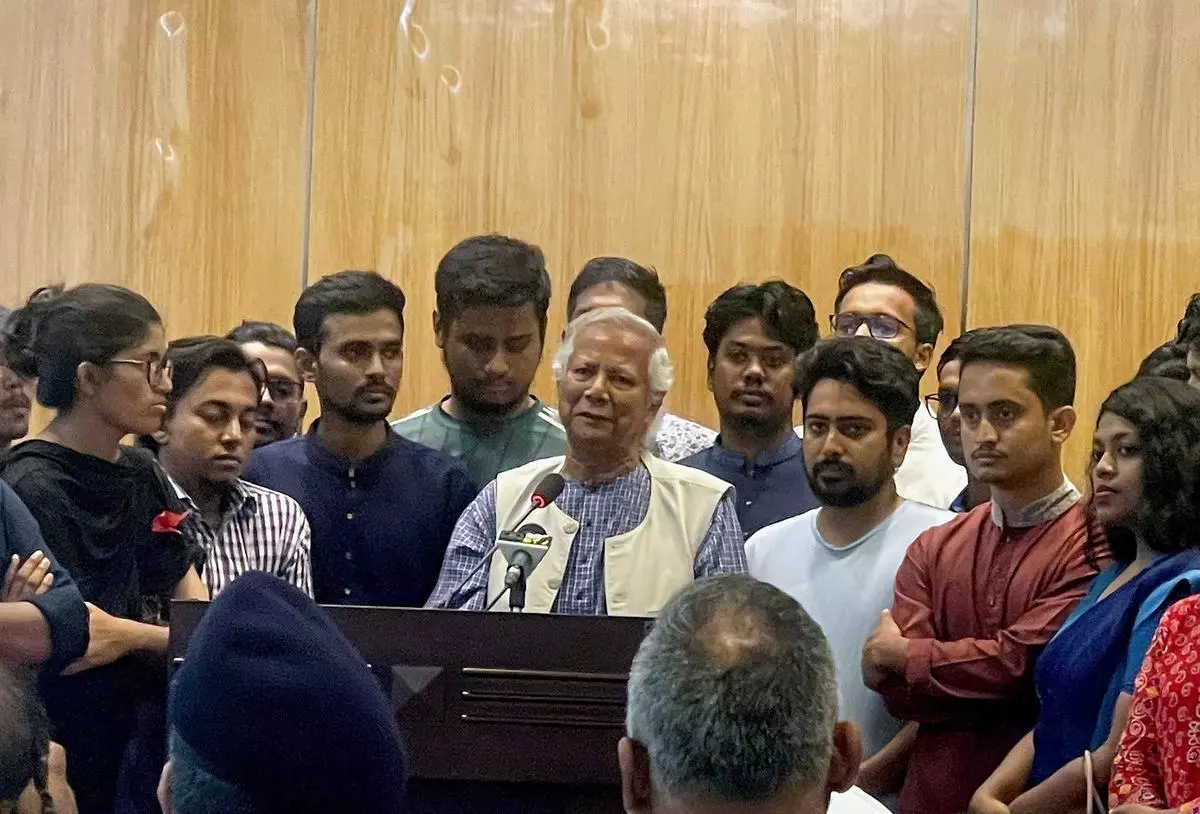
(381, 507)
(754, 333)
(841, 559)
(16, 400)
(281, 413)
(493, 293)
(979, 597)
(204, 445)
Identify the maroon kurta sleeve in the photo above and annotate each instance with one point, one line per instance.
(992, 668)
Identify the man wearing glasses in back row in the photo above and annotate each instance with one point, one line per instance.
(881, 300)
(281, 413)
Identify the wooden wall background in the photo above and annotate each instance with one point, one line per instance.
(217, 155)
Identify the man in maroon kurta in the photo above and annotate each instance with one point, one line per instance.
(978, 598)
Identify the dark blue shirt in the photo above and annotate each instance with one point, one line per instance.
(380, 526)
(772, 488)
(62, 605)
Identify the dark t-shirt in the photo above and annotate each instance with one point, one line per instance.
(96, 518)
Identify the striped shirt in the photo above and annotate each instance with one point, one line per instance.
(261, 530)
(485, 450)
(602, 510)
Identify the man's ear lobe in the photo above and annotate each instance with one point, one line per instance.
(846, 759)
(636, 785)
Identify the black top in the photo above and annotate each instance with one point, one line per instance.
(96, 516)
(380, 526)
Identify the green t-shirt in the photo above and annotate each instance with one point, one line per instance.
(487, 450)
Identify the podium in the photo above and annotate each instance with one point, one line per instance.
(500, 711)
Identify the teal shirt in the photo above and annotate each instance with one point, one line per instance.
(486, 450)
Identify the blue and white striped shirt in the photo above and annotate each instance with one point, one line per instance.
(602, 511)
(261, 530)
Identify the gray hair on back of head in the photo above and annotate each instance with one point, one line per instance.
(662, 372)
(733, 693)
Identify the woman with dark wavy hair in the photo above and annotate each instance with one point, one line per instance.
(1145, 495)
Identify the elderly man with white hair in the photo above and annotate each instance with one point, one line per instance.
(629, 530)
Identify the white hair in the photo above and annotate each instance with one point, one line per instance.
(662, 372)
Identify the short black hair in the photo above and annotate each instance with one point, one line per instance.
(881, 372)
(1043, 352)
(192, 357)
(59, 329)
(267, 333)
(953, 351)
(347, 292)
(639, 279)
(786, 313)
(492, 270)
(1168, 361)
(882, 269)
(1187, 331)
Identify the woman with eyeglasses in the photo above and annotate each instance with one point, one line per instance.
(110, 517)
(1145, 493)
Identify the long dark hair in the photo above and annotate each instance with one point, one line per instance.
(24, 740)
(1166, 415)
(57, 330)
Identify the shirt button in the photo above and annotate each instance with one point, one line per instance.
(346, 591)
(349, 515)
(749, 502)
(349, 556)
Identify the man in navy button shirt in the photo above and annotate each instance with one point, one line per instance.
(381, 508)
(754, 334)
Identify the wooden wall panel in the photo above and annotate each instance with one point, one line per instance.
(716, 141)
(158, 144)
(1086, 194)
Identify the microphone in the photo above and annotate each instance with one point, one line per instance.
(523, 550)
(546, 492)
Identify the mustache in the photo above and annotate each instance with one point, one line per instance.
(832, 467)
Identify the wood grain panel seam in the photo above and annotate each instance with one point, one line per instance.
(969, 163)
(310, 118)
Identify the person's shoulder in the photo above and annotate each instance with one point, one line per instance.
(270, 498)
(918, 513)
(783, 533)
(689, 475)
(1185, 609)
(546, 415)
(855, 801)
(427, 459)
(414, 421)
(288, 449)
(34, 475)
(956, 529)
(699, 460)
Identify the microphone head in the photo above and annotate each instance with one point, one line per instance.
(547, 490)
(530, 529)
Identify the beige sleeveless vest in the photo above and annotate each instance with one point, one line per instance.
(643, 568)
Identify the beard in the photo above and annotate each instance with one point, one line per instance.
(759, 425)
(852, 489)
(468, 399)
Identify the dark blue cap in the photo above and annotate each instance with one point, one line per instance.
(275, 701)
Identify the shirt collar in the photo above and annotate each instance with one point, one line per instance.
(235, 499)
(1043, 510)
(340, 463)
(790, 448)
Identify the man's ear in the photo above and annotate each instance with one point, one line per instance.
(846, 759)
(302, 414)
(438, 338)
(712, 365)
(923, 357)
(1062, 422)
(306, 362)
(161, 436)
(636, 787)
(900, 442)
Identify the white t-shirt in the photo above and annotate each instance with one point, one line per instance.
(844, 590)
(855, 801)
(928, 475)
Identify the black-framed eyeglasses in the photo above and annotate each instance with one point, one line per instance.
(158, 369)
(880, 326)
(282, 389)
(936, 402)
